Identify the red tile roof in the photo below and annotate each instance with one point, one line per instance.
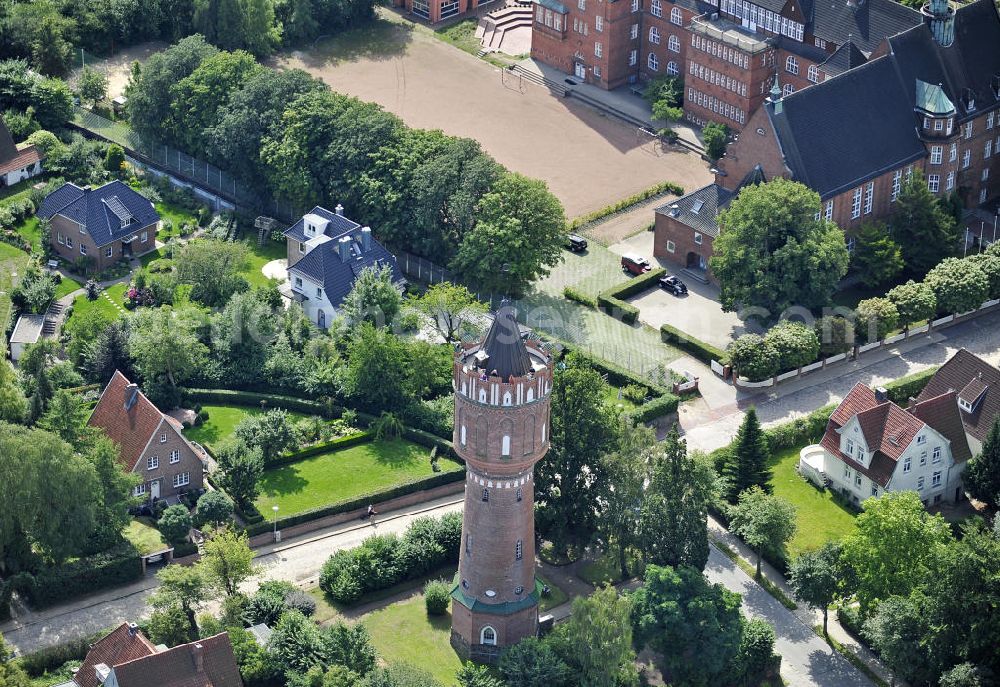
(959, 373)
(27, 155)
(859, 398)
(942, 413)
(208, 662)
(121, 645)
(131, 429)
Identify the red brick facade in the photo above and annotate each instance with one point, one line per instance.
(501, 431)
(71, 242)
(678, 244)
(435, 10)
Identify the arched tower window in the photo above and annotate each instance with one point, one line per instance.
(463, 435)
(543, 432)
(505, 446)
(507, 399)
(482, 395)
(520, 494)
(488, 636)
(530, 396)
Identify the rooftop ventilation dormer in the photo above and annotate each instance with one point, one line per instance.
(118, 209)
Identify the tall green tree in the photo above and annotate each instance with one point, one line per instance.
(914, 301)
(925, 231)
(765, 522)
(377, 369)
(472, 675)
(674, 515)
(694, 625)
(569, 479)
(11, 674)
(13, 404)
(450, 307)
(877, 257)
(66, 417)
(518, 238)
(896, 628)
(716, 138)
(302, 24)
(228, 561)
(214, 269)
(242, 468)
(258, 32)
(748, 462)
(373, 298)
(959, 285)
(773, 253)
(890, 552)
(876, 318)
(271, 432)
(596, 641)
(626, 470)
(185, 587)
(982, 475)
(164, 344)
(533, 663)
(116, 488)
(50, 51)
(93, 86)
(815, 577)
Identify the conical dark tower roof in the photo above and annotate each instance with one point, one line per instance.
(503, 344)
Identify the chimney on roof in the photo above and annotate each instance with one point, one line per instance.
(881, 395)
(197, 652)
(101, 672)
(675, 210)
(339, 209)
(345, 248)
(131, 395)
(366, 239)
(133, 629)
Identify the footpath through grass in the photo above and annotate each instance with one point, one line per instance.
(104, 304)
(348, 473)
(820, 518)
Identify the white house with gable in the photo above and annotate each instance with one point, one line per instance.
(871, 445)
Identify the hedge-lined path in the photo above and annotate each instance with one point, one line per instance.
(297, 560)
(714, 428)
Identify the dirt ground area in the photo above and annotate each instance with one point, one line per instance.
(587, 159)
(118, 67)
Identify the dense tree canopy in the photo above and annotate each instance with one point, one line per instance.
(926, 232)
(773, 253)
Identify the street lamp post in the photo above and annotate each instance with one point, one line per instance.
(275, 509)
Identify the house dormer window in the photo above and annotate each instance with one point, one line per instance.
(850, 447)
(319, 292)
(922, 439)
(965, 405)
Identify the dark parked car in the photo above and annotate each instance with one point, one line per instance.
(576, 243)
(673, 285)
(635, 264)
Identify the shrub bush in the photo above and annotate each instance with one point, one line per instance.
(901, 390)
(215, 507)
(698, 349)
(50, 658)
(437, 596)
(384, 560)
(658, 407)
(569, 293)
(664, 187)
(175, 524)
(959, 285)
(796, 344)
(835, 334)
(754, 357)
(116, 566)
(636, 284)
(634, 393)
(615, 307)
(876, 318)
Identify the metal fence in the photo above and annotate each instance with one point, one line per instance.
(171, 160)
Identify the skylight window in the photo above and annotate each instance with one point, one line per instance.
(698, 205)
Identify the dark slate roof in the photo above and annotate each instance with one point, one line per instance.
(969, 63)
(508, 356)
(848, 129)
(8, 151)
(942, 413)
(325, 264)
(956, 375)
(700, 209)
(848, 56)
(696, 6)
(337, 226)
(866, 24)
(93, 208)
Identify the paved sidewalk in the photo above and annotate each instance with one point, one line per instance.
(807, 616)
(297, 561)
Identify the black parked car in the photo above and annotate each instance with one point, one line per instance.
(673, 285)
(576, 243)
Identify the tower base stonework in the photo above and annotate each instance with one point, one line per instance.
(510, 622)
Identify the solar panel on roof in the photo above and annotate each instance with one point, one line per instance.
(121, 212)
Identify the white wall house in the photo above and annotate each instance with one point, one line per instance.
(871, 445)
(326, 253)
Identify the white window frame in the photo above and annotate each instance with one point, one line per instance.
(936, 478)
(139, 489)
(598, 49)
(897, 179)
(937, 154)
(633, 31)
(672, 68)
(907, 463)
(676, 16)
(828, 213)
(673, 44)
(633, 57)
(181, 479)
(949, 183)
(143, 237)
(83, 249)
(656, 8)
(152, 462)
(671, 246)
(599, 23)
(635, 5)
(653, 62)
(488, 640)
(966, 158)
(518, 550)
(933, 183)
(654, 35)
(813, 73)
(791, 65)
(987, 149)
(175, 456)
(869, 197)
(936, 455)
(920, 483)
(163, 437)
(856, 203)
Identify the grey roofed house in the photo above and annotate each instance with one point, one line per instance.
(847, 57)
(861, 124)
(700, 209)
(109, 213)
(863, 22)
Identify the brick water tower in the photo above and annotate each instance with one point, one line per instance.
(502, 387)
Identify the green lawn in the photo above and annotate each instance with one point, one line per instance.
(820, 518)
(260, 256)
(83, 306)
(556, 597)
(22, 189)
(403, 632)
(151, 256)
(341, 475)
(621, 404)
(462, 35)
(176, 215)
(145, 536)
(12, 262)
(606, 569)
(222, 421)
(29, 229)
(67, 286)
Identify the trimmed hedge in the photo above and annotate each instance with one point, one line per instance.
(901, 390)
(658, 407)
(37, 663)
(615, 307)
(636, 284)
(252, 398)
(571, 294)
(358, 502)
(619, 376)
(698, 349)
(112, 568)
(385, 560)
(322, 447)
(664, 187)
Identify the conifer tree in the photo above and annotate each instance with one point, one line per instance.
(982, 476)
(747, 465)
